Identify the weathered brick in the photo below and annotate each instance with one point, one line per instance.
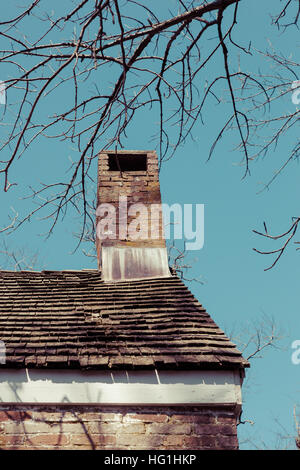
(8, 440)
(166, 428)
(104, 428)
(47, 439)
(79, 427)
(54, 417)
(12, 427)
(136, 440)
(227, 442)
(19, 447)
(133, 428)
(208, 441)
(81, 439)
(12, 415)
(104, 440)
(92, 440)
(227, 419)
(117, 428)
(212, 429)
(146, 418)
(40, 427)
(227, 429)
(197, 418)
(192, 442)
(174, 441)
(103, 417)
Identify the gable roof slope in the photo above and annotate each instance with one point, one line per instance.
(73, 319)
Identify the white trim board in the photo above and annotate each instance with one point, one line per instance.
(157, 388)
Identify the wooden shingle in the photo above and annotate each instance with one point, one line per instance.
(73, 319)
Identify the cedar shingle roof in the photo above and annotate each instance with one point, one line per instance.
(74, 319)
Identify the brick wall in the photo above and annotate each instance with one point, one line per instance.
(84, 428)
(138, 187)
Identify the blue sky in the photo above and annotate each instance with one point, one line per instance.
(237, 292)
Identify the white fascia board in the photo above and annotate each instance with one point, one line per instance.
(158, 388)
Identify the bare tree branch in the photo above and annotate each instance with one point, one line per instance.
(137, 58)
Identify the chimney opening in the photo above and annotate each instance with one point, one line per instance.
(127, 162)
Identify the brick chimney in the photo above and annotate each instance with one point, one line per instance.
(130, 239)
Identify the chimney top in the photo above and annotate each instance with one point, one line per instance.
(130, 239)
